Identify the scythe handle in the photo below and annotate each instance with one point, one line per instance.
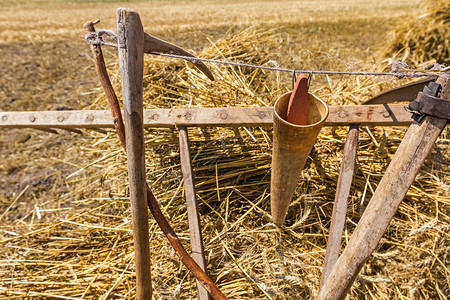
(410, 155)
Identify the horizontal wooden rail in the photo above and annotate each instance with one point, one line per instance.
(343, 115)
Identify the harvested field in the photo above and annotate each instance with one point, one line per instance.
(64, 207)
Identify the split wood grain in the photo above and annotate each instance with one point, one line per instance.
(195, 229)
(412, 152)
(340, 202)
(131, 61)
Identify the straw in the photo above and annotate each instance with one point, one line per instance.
(82, 246)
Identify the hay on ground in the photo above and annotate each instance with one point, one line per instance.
(80, 246)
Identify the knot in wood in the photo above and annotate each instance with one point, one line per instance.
(342, 114)
(89, 118)
(261, 115)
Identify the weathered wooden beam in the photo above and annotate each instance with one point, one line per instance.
(365, 115)
(195, 229)
(411, 153)
(131, 61)
(340, 202)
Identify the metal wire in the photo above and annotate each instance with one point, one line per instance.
(96, 38)
(294, 71)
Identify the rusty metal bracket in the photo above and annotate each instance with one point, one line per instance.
(429, 103)
(434, 106)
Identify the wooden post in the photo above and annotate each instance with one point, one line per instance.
(131, 60)
(340, 202)
(391, 190)
(195, 228)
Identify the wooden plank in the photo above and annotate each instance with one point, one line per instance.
(412, 152)
(195, 229)
(340, 202)
(131, 61)
(365, 115)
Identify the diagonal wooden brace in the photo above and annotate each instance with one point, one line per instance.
(340, 202)
(391, 190)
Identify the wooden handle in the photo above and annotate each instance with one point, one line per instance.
(297, 112)
(412, 152)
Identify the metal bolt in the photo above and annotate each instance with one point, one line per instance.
(32, 118)
(223, 116)
(4, 118)
(89, 118)
(61, 118)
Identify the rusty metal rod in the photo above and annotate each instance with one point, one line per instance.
(168, 231)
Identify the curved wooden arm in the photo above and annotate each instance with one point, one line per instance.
(168, 231)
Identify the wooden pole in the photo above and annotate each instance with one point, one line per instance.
(131, 60)
(91, 118)
(195, 229)
(340, 202)
(391, 190)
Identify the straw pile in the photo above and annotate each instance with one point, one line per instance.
(83, 249)
(424, 39)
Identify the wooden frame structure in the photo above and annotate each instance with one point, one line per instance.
(340, 115)
(338, 273)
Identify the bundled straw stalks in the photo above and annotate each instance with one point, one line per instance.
(81, 247)
(425, 39)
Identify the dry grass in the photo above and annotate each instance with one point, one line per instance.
(424, 39)
(48, 20)
(68, 235)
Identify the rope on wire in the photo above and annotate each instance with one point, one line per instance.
(96, 38)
